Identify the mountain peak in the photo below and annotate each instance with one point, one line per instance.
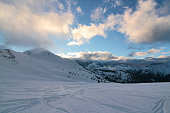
(38, 51)
(43, 54)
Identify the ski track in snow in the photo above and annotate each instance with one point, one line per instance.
(159, 106)
(63, 97)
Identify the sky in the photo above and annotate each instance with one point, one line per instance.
(95, 29)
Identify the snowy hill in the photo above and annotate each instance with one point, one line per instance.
(40, 64)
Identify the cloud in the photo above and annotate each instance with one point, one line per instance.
(165, 9)
(151, 51)
(107, 56)
(79, 10)
(164, 56)
(61, 6)
(84, 33)
(137, 48)
(97, 14)
(117, 3)
(78, 43)
(96, 55)
(145, 25)
(106, 1)
(168, 52)
(28, 23)
(93, 66)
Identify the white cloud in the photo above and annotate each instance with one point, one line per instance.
(145, 25)
(97, 14)
(117, 3)
(112, 21)
(104, 10)
(24, 23)
(151, 51)
(84, 33)
(106, 1)
(60, 6)
(78, 43)
(79, 10)
(96, 55)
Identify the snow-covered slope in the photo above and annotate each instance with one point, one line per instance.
(41, 64)
(75, 97)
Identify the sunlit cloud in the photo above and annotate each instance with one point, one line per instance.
(144, 25)
(149, 52)
(163, 56)
(168, 52)
(84, 33)
(29, 23)
(95, 55)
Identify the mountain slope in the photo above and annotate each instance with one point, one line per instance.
(39, 64)
(141, 71)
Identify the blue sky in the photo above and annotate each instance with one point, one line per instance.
(73, 28)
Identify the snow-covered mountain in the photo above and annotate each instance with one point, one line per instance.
(141, 70)
(40, 64)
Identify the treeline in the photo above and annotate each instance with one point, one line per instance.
(138, 77)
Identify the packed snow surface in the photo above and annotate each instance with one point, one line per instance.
(28, 96)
